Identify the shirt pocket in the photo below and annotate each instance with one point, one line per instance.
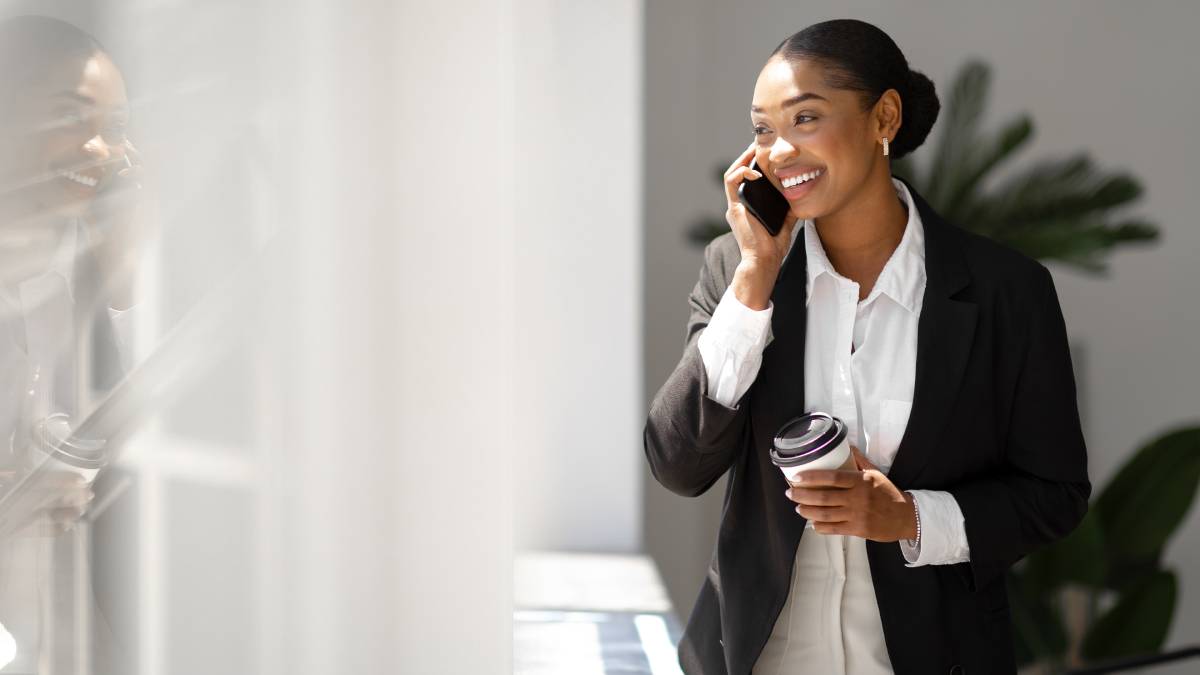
(893, 420)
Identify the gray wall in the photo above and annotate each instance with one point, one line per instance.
(1108, 77)
(578, 281)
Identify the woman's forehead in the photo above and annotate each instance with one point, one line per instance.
(781, 84)
(101, 81)
(92, 81)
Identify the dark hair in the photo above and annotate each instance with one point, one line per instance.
(32, 46)
(861, 57)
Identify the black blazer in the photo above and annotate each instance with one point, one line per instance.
(994, 421)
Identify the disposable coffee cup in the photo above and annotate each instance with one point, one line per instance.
(815, 440)
(54, 449)
(48, 451)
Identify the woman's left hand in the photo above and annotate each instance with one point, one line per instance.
(862, 503)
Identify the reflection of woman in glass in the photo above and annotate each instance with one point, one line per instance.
(64, 154)
(68, 245)
(944, 353)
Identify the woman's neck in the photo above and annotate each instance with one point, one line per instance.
(859, 239)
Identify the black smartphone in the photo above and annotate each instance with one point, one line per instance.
(764, 202)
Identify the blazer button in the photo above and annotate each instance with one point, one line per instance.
(957, 669)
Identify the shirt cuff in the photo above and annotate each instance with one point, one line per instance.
(943, 533)
(731, 347)
(739, 322)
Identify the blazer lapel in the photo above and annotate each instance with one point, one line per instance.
(781, 374)
(778, 395)
(945, 332)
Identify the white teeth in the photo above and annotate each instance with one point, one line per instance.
(80, 178)
(796, 180)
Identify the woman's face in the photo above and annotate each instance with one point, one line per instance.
(68, 134)
(803, 125)
(62, 145)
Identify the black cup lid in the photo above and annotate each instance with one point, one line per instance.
(807, 438)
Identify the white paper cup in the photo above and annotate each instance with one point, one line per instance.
(54, 449)
(814, 440)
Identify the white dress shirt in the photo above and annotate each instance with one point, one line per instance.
(39, 376)
(37, 356)
(860, 363)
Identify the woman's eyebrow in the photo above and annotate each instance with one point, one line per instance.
(799, 98)
(75, 97)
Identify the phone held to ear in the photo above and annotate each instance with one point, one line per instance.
(763, 201)
(124, 174)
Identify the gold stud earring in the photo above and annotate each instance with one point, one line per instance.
(885, 146)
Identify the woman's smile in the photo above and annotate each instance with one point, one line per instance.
(799, 187)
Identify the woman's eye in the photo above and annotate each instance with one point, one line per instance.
(759, 131)
(71, 119)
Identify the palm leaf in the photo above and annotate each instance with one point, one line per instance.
(1079, 242)
(989, 154)
(1138, 623)
(968, 97)
(1052, 190)
(1150, 495)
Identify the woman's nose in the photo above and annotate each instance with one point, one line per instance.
(781, 150)
(98, 148)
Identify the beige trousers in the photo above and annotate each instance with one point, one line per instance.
(830, 623)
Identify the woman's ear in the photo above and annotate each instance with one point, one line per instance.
(888, 113)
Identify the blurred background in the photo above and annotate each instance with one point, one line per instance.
(418, 270)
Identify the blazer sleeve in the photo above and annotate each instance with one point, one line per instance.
(690, 438)
(1042, 493)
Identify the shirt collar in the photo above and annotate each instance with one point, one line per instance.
(903, 276)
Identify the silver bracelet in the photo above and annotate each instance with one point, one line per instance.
(915, 543)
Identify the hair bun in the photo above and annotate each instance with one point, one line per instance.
(918, 84)
(920, 108)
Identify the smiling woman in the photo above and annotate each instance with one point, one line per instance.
(944, 353)
(64, 110)
(69, 253)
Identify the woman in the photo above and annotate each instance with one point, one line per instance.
(944, 352)
(69, 238)
(69, 247)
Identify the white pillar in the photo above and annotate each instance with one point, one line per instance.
(393, 328)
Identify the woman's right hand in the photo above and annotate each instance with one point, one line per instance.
(762, 253)
(61, 499)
